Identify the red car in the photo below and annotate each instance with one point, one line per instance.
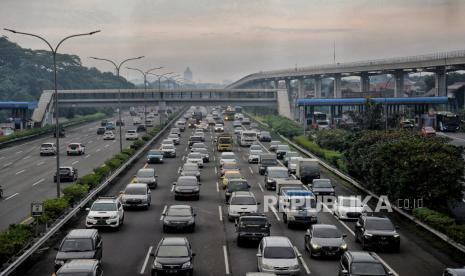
(428, 131)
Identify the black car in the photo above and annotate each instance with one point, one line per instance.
(187, 187)
(325, 240)
(67, 174)
(61, 133)
(101, 130)
(274, 173)
(179, 217)
(372, 231)
(118, 123)
(252, 226)
(103, 122)
(141, 128)
(235, 185)
(264, 136)
(322, 187)
(195, 139)
(173, 256)
(361, 263)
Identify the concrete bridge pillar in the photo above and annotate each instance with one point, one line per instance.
(317, 86)
(337, 92)
(364, 82)
(399, 83)
(441, 81)
(301, 88)
(276, 84)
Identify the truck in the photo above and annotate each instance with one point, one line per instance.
(247, 138)
(266, 159)
(136, 120)
(224, 142)
(298, 207)
(307, 169)
(288, 184)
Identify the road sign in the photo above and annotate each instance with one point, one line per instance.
(37, 208)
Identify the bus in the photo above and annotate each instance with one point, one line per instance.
(319, 119)
(447, 121)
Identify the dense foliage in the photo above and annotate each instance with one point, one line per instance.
(334, 139)
(441, 222)
(370, 117)
(283, 125)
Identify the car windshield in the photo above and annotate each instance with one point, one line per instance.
(167, 146)
(264, 133)
(326, 232)
(243, 200)
(229, 166)
(269, 161)
(351, 202)
(255, 147)
(379, 224)
(228, 156)
(238, 186)
(103, 206)
(64, 170)
(291, 154)
(253, 221)
(274, 252)
(323, 123)
(367, 269)
(174, 136)
(179, 212)
(201, 150)
(145, 174)
(218, 125)
(174, 251)
(322, 184)
(255, 152)
(190, 167)
(131, 190)
(187, 182)
(194, 155)
(47, 145)
(278, 173)
(155, 152)
(233, 175)
(73, 245)
(73, 146)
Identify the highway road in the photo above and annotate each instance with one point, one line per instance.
(127, 252)
(27, 177)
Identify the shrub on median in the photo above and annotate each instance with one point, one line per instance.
(146, 137)
(437, 220)
(113, 163)
(137, 144)
(75, 192)
(128, 151)
(13, 240)
(53, 209)
(102, 172)
(91, 180)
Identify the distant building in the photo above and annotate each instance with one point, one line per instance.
(188, 74)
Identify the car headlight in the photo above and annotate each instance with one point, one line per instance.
(59, 262)
(267, 266)
(396, 236)
(270, 180)
(196, 189)
(186, 265)
(315, 246)
(296, 266)
(157, 264)
(344, 246)
(366, 235)
(114, 217)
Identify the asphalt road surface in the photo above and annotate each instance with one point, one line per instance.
(127, 252)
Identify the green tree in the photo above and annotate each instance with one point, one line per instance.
(371, 116)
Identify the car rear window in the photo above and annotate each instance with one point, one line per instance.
(73, 245)
(281, 252)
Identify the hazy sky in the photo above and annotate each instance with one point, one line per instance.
(227, 39)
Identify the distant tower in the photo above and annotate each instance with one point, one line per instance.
(188, 74)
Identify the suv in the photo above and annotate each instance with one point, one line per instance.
(264, 136)
(252, 227)
(168, 150)
(281, 150)
(273, 173)
(241, 203)
(173, 256)
(361, 263)
(280, 248)
(48, 149)
(108, 135)
(174, 137)
(131, 134)
(67, 174)
(322, 187)
(101, 130)
(105, 211)
(75, 149)
(136, 195)
(79, 244)
(196, 158)
(187, 186)
(81, 267)
(325, 240)
(274, 145)
(195, 139)
(373, 231)
(236, 185)
(147, 176)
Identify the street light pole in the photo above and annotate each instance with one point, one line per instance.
(159, 90)
(118, 67)
(57, 123)
(144, 74)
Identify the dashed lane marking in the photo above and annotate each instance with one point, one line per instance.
(226, 262)
(87, 156)
(251, 171)
(172, 188)
(217, 187)
(163, 213)
(386, 265)
(19, 151)
(220, 212)
(19, 172)
(27, 157)
(261, 188)
(75, 162)
(11, 196)
(146, 260)
(7, 164)
(98, 150)
(302, 261)
(38, 182)
(40, 163)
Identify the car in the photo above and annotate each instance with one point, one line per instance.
(79, 244)
(187, 187)
(179, 217)
(168, 150)
(101, 130)
(241, 202)
(155, 156)
(199, 132)
(255, 147)
(105, 212)
(136, 195)
(278, 248)
(237, 123)
(254, 125)
(229, 175)
(141, 128)
(196, 158)
(252, 227)
(454, 272)
(176, 130)
(428, 131)
(373, 231)
(273, 173)
(108, 135)
(292, 164)
(61, 133)
(103, 122)
(195, 139)
(147, 176)
(167, 142)
(48, 149)
(119, 123)
(131, 134)
(219, 128)
(361, 263)
(87, 267)
(229, 166)
(288, 155)
(281, 150)
(323, 124)
(274, 145)
(203, 152)
(348, 207)
(260, 274)
(227, 157)
(75, 149)
(235, 185)
(254, 156)
(67, 173)
(175, 138)
(110, 126)
(325, 240)
(245, 121)
(238, 130)
(198, 146)
(173, 255)
(190, 169)
(149, 122)
(322, 187)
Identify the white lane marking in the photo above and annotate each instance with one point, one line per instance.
(214, 158)
(172, 188)
(261, 188)
(179, 169)
(11, 196)
(226, 262)
(275, 213)
(114, 141)
(1, 157)
(142, 270)
(451, 137)
(183, 157)
(217, 187)
(7, 164)
(98, 150)
(185, 149)
(220, 211)
(21, 171)
(19, 151)
(386, 265)
(302, 261)
(27, 157)
(216, 171)
(163, 213)
(251, 171)
(37, 182)
(90, 142)
(107, 145)
(40, 163)
(75, 162)
(87, 156)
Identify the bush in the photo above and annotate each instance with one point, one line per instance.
(457, 233)
(146, 137)
(91, 180)
(137, 144)
(102, 172)
(113, 163)
(128, 151)
(53, 208)
(333, 139)
(437, 220)
(13, 240)
(283, 125)
(121, 156)
(75, 192)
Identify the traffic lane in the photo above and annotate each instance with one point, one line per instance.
(458, 138)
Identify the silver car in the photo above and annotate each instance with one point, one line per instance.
(147, 176)
(136, 195)
(276, 254)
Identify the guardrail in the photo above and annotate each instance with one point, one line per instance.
(354, 183)
(15, 264)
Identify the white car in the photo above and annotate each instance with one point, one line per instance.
(167, 142)
(168, 150)
(75, 149)
(131, 135)
(237, 130)
(219, 128)
(276, 254)
(254, 156)
(227, 157)
(105, 211)
(292, 164)
(196, 158)
(203, 152)
(108, 135)
(348, 207)
(136, 195)
(241, 203)
(175, 138)
(48, 149)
